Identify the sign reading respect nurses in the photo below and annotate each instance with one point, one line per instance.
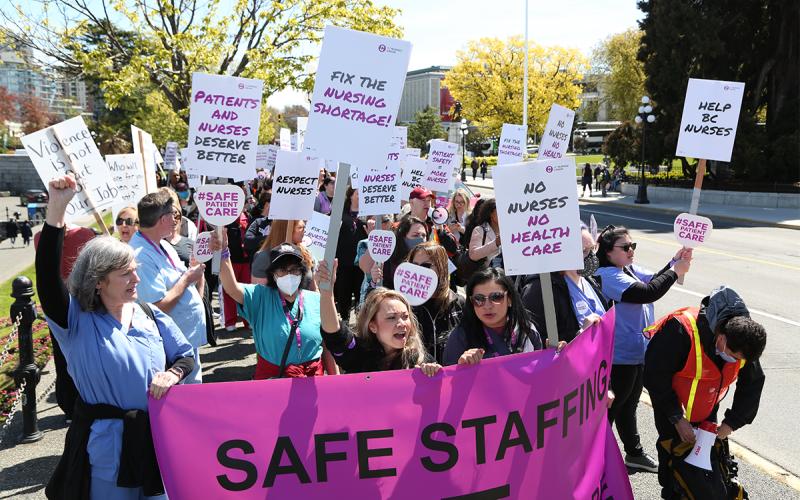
(357, 92)
(224, 118)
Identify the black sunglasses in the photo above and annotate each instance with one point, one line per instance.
(130, 221)
(626, 246)
(479, 300)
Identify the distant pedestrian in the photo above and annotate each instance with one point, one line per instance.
(12, 229)
(586, 180)
(474, 166)
(484, 169)
(597, 178)
(26, 232)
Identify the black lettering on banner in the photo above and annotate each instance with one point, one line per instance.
(514, 422)
(323, 457)
(490, 494)
(568, 411)
(365, 453)
(250, 470)
(449, 448)
(480, 435)
(601, 391)
(284, 444)
(542, 423)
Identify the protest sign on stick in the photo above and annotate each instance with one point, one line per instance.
(555, 138)
(317, 235)
(171, 156)
(224, 119)
(413, 172)
(143, 149)
(202, 247)
(380, 191)
(219, 205)
(68, 147)
(513, 144)
(401, 137)
(286, 139)
(128, 178)
(302, 126)
(442, 162)
(415, 282)
(294, 186)
(381, 245)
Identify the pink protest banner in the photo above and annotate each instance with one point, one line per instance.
(524, 426)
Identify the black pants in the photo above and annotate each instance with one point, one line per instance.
(348, 285)
(66, 392)
(627, 382)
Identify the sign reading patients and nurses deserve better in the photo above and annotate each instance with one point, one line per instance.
(223, 125)
(357, 92)
(709, 120)
(442, 161)
(294, 186)
(74, 151)
(455, 435)
(219, 204)
(537, 208)
(555, 138)
(513, 144)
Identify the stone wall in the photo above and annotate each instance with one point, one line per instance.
(733, 198)
(17, 174)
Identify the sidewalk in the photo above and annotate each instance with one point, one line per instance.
(788, 218)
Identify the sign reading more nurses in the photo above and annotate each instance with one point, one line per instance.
(442, 160)
(294, 186)
(415, 282)
(513, 144)
(555, 139)
(709, 120)
(691, 231)
(537, 208)
(219, 204)
(357, 92)
(223, 125)
(74, 151)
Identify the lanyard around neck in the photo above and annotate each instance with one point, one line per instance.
(159, 249)
(491, 342)
(294, 323)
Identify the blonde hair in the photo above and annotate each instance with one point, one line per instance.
(467, 208)
(414, 351)
(277, 235)
(438, 255)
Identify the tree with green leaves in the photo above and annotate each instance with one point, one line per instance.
(622, 144)
(620, 74)
(427, 125)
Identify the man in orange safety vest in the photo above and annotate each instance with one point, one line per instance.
(694, 355)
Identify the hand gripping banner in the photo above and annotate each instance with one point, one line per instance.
(524, 426)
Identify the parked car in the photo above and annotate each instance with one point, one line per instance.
(33, 196)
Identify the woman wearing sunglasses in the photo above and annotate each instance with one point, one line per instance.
(495, 322)
(127, 223)
(443, 311)
(634, 290)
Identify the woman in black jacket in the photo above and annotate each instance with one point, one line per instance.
(352, 231)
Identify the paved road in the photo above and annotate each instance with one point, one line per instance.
(762, 264)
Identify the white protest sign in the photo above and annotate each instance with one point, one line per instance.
(302, 126)
(317, 234)
(394, 154)
(416, 283)
(262, 156)
(143, 148)
(442, 161)
(411, 152)
(555, 139)
(171, 156)
(513, 144)
(194, 179)
(272, 156)
(286, 139)
(225, 114)
(692, 231)
(202, 247)
(413, 172)
(128, 177)
(355, 181)
(219, 204)
(380, 191)
(79, 155)
(381, 244)
(401, 136)
(709, 120)
(537, 207)
(294, 186)
(357, 91)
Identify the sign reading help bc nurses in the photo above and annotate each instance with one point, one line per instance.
(219, 204)
(537, 208)
(357, 92)
(709, 120)
(223, 125)
(381, 244)
(692, 231)
(415, 282)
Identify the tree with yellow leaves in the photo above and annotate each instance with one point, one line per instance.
(615, 62)
(487, 80)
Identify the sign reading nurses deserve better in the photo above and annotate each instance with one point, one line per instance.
(692, 230)
(555, 138)
(380, 191)
(219, 204)
(357, 92)
(73, 151)
(709, 120)
(537, 208)
(224, 118)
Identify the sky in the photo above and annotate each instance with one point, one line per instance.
(439, 28)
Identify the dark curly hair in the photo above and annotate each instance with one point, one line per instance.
(745, 336)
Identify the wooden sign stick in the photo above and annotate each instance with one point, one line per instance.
(140, 138)
(290, 232)
(698, 188)
(85, 191)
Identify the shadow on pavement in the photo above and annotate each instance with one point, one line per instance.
(32, 475)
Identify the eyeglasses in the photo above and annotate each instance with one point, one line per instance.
(296, 271)
(130, 221)
(626, 247)
(426, 265)
(495, 297)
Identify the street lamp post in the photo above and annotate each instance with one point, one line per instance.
(644, 117)
(464, 132)
(584, 135)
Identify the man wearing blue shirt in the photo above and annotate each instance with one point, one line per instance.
(165, 280)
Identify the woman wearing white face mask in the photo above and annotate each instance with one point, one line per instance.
(285, 320)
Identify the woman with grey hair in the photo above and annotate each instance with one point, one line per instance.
(117, 351)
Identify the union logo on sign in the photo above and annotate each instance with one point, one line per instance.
(549, 169)
(381, 48)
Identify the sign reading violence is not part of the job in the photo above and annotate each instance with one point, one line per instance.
(537, 208)
(357, 92)
(223, 125)
(709, 120)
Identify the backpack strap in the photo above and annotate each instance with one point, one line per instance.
(148, 311)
